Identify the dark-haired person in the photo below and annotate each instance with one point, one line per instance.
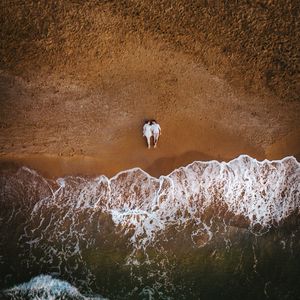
(156, 131)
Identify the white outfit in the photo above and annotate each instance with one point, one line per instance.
(155, 128)
(147, 132)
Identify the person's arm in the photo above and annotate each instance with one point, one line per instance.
(159, 129)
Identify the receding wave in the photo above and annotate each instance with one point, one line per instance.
(76, 227)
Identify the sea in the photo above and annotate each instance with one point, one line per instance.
(209, 230)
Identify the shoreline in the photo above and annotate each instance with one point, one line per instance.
(54, 166)
(177, 147)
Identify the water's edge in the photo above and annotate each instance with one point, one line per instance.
(176, 236)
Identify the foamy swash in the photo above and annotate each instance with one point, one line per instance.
(81, 229)
(262, 193)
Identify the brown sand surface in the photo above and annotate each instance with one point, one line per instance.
(78, 79)
(56, 136)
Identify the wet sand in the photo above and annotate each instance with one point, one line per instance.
(177, 147)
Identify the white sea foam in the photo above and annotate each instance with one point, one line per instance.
(45, 287)
(68, 219)
(263, 193)
(144, 207)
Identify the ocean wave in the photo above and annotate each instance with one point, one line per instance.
(45, 287)
(84, 228)
(242, 192)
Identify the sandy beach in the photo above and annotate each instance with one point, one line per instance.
(74, 101)
(78, 79)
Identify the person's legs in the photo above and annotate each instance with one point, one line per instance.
(148, 141)
(156, 136)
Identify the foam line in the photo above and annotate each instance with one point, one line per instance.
(141, 206)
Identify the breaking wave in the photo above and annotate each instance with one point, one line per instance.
(254, 194)
(44, 287)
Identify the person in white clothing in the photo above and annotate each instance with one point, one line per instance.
(156, 131)
(147, 132)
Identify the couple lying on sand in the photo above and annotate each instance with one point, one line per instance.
(151, 128)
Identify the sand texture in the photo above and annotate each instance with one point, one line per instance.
(78, 79)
